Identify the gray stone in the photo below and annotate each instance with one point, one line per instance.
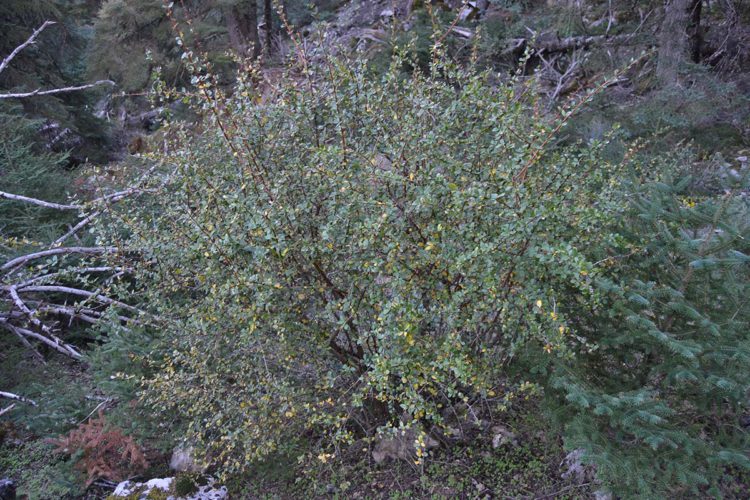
(501, 436)
(210, 491)
(7, 489)
(575, 469)
(400, 445)
(183, 460)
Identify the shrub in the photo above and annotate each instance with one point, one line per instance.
(361, 253)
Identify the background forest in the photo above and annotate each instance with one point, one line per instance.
(374, 249)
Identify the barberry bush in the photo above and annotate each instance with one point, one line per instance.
(354, 253)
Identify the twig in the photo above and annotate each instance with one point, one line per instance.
(95, 410)
(16, 397)
(556, 493)
(35, 201)
(40, 92)
(83, 293)
(75, 228)
(56, 251)
(61, 347)
(7, 409)
(25, 44)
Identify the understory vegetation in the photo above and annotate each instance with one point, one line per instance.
(413, 262)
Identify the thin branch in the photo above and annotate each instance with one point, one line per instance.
(77, 270)
(40, 92)
(16, 397)
(82, 293)
(7, 409)
(56, 251)
(31, 315)
(25, 44)
(75, 228)
(25, 342)
(59, 346)
(41, 203)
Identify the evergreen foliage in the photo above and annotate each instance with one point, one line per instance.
(662, 402)
(56, 59)
(27, 169)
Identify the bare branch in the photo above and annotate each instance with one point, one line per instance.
(71, 313)
(25, 342)
(16, 397)
(56, 251)
(25, 44)
(77, 271)
(7, 409)
(41, 203)
(40, 92)
(31, 315)
(549, 44)
(76, 228)
(57, 345)
(82, 293)
(21, 305)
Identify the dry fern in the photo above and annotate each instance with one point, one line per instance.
(102, 450)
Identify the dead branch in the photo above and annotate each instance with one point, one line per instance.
(16, 397)
(7, 409)
(26, 343)
(41, 203)
(76, 228)
(31, 316)
(23, 314)
(554, 44)
(549, 43)
(40, 92)
(82, 293)
(78, 270)
(11, 264)
(25, 44)
(57, 345)
(563, 80)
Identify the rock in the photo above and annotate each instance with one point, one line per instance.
(183, 460)
(400, 446)
(7, 489)
(502, 436)
(207, 492)
(387, 13)
(481, 488)
(126, 488)
(576, 471)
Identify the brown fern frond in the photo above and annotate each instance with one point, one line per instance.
(105, 451)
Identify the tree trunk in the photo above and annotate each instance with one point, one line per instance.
(242, 25)
(268, 21)
(695, 31)
(673, 40)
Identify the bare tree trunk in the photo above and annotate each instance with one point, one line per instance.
(242, 25)
(695, 31)
(268, 21)
(673, 40)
